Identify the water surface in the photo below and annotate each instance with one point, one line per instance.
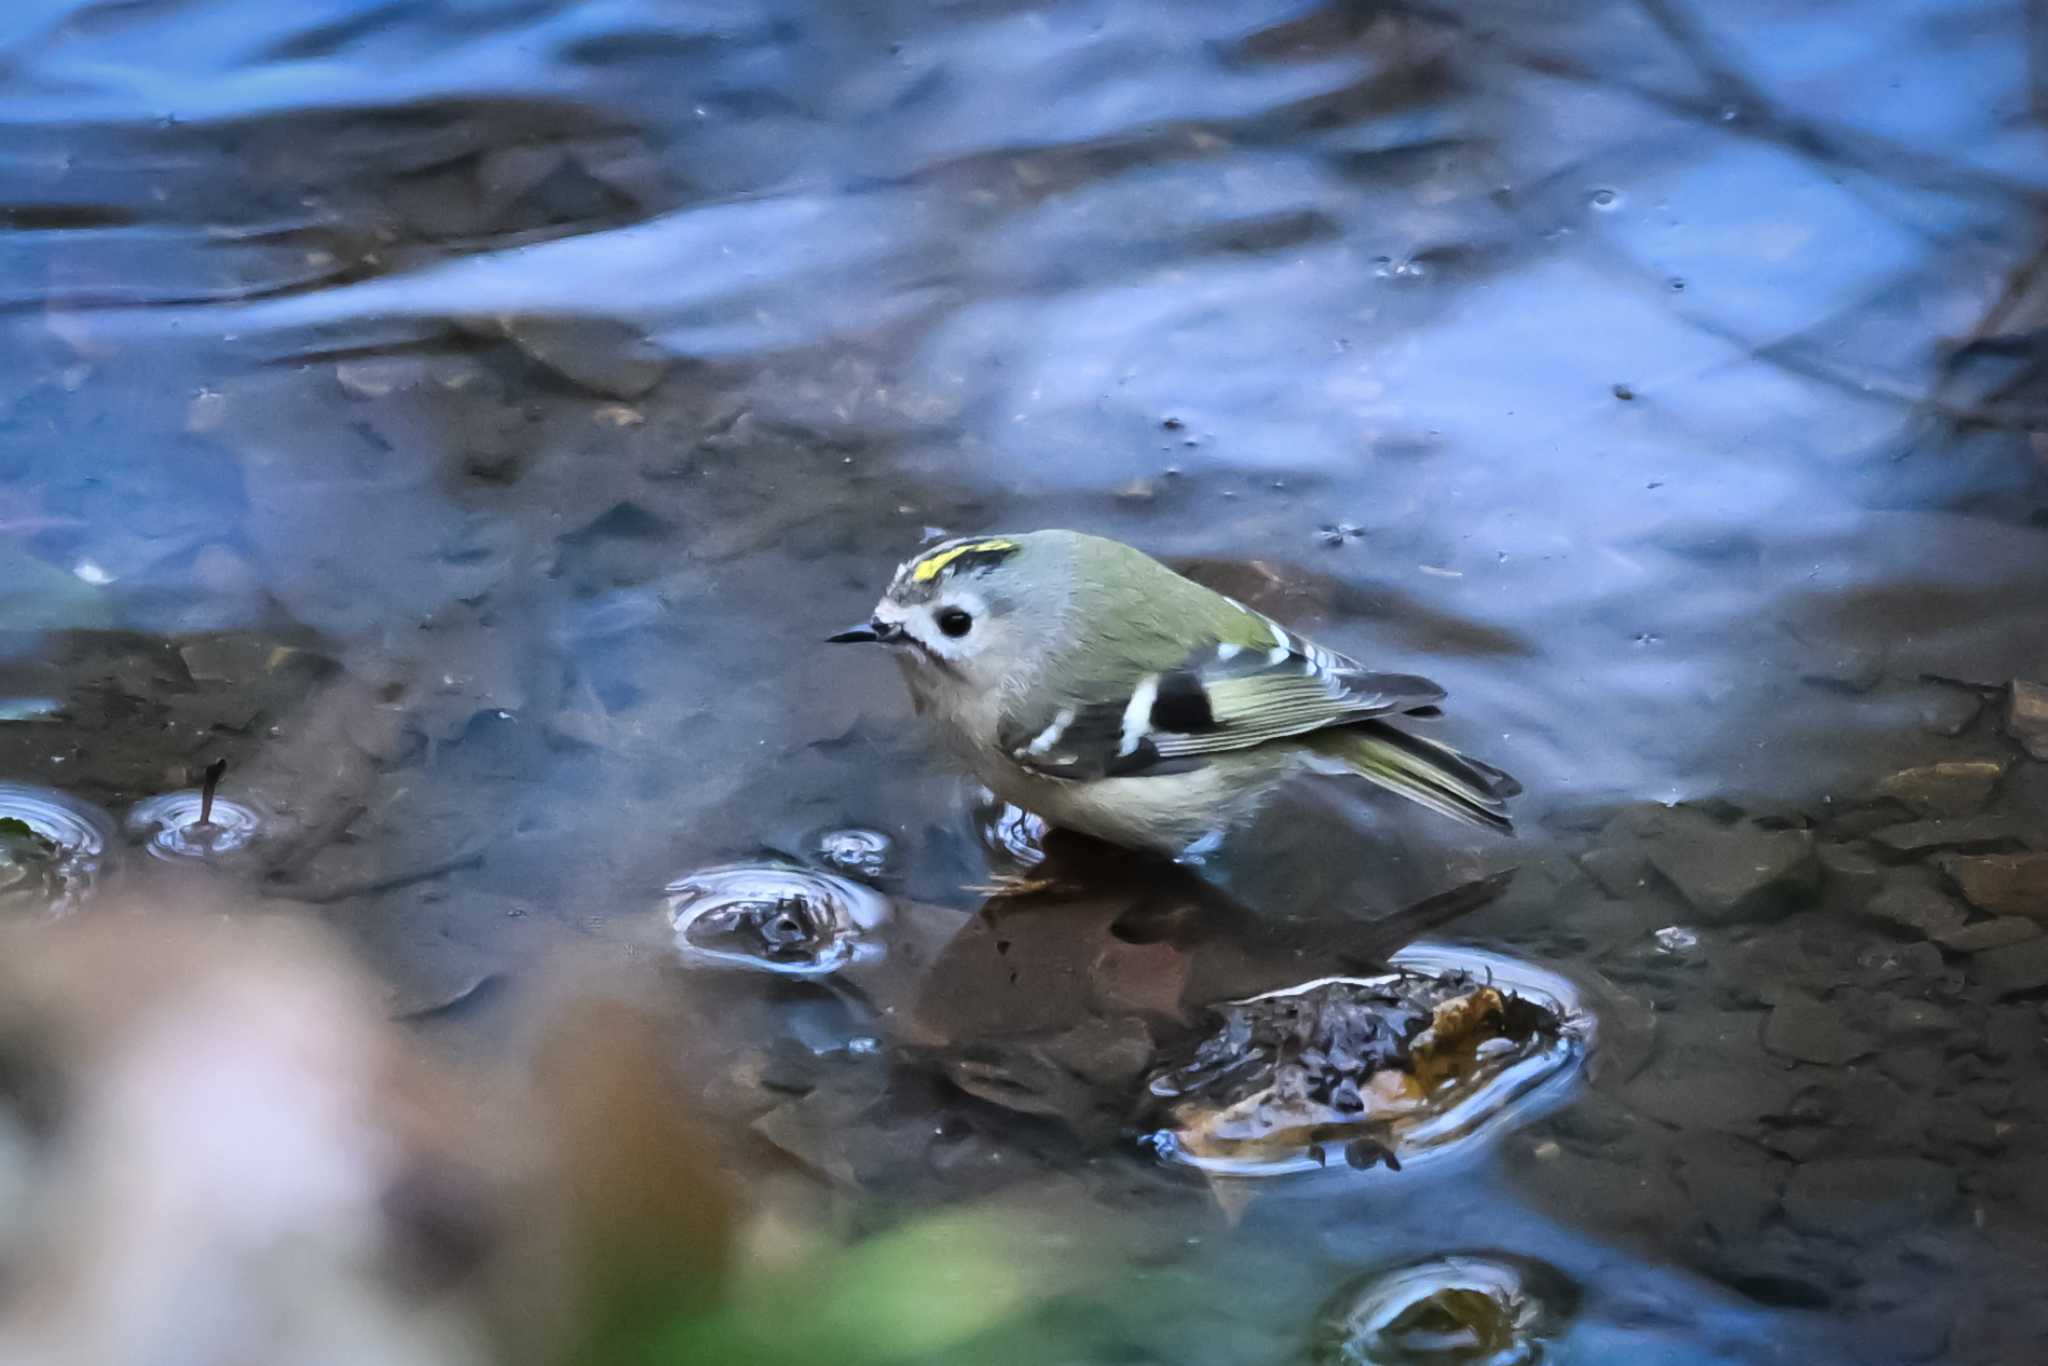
(467, 417)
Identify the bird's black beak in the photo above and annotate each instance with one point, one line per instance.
(867, 630)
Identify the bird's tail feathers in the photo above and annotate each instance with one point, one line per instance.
(1423, 771)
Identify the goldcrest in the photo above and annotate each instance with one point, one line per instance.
(1085, 681)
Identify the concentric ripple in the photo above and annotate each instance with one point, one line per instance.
(858, 852)
(1477, 1309)
(775, 918)
(53, 867)
(169, 826)
(1372, 1070)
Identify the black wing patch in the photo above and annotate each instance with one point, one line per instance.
(1223, 698)
(1182, 704)
(1088, 741)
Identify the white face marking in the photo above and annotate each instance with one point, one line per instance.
(1280, 651)
(1050, 736)
(921, 622)
(1138, 715)
(1278, 654)
(1228, 651)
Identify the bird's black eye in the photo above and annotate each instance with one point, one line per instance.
(955, 622)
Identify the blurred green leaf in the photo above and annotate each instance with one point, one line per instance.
(925, 1289)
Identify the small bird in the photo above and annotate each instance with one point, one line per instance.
(1083, 680)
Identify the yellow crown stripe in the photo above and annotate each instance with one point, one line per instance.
(928, 568)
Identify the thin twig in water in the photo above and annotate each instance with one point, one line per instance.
(214, 771)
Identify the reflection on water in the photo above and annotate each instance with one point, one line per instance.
(1012, 836)
(468, 418)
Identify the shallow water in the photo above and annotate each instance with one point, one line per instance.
(467, 418)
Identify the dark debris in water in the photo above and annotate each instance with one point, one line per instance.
(1342, 1066)
(30, 877)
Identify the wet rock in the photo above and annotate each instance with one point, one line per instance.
(1956, 788)
(505, 174)
(1621, 872)
(1735, 1188)
(1639, 1193)
(1916, 1070)
(1849, 877)
(1855, 822)
(422, 996)
(377, 376)
(1852, 670)
(2013, 969)
(1909, 1332)
(1733, 873)
(595, 354)
(1863, 1197)
(1950, 712)
(1036, 1077)
(809, 1131)
(1109, 1054)
(1924, 911)
(2003, 884)
(1723, 1099)
(1983, 935)
(1966, 1129)
(240, 658)
(1909, 1021)
(2014, 1032)
(2026, 716)
(1808, 1030)
(1994, 830)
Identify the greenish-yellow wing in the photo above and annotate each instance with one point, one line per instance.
(1226, 695)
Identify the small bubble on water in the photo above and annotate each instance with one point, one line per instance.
(1461, 1309)
(1604, 200)
(858, 852)
(775, 918)
(169, 826)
